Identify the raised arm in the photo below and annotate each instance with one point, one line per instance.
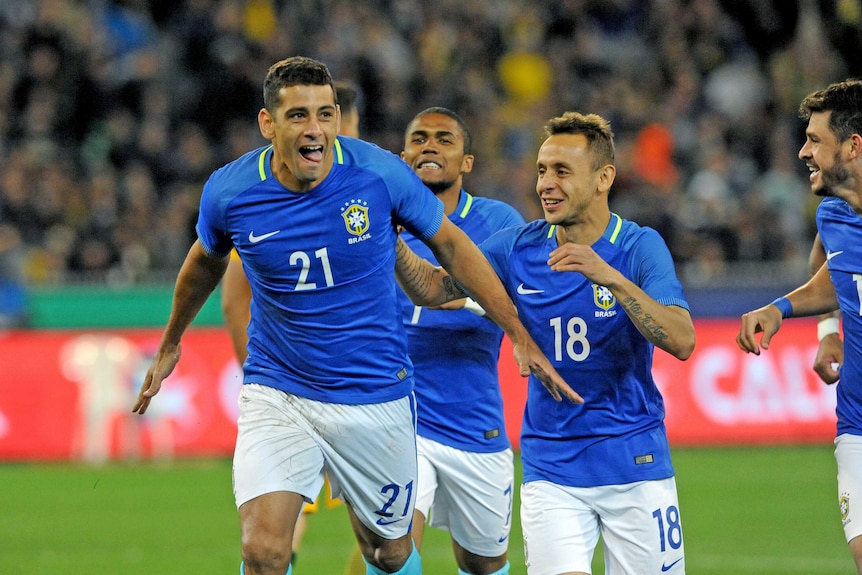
(197, 279)
(667, 327)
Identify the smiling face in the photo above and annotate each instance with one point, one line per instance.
(824, 156)
(302, 130)
(434, 148)
(568, 183)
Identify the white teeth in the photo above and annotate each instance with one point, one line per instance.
(432, 165)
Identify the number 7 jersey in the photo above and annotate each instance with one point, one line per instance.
(618, 435)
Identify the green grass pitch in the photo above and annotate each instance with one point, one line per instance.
(766, 510)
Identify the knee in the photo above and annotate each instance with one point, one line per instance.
(263, 554)
(393, 554)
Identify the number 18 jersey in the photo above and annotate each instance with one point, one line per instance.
(617, 436)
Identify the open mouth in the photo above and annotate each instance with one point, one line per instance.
(429, 166)
(312, 153)
(814, 172)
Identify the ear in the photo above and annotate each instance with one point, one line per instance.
(264, 122)
(855, 146)
(467, 164)
(606, 177)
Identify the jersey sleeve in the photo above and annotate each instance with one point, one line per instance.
(211, 222)
(653, 269)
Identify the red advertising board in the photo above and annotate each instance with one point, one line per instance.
(68, 394)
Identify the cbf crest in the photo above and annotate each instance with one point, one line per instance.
(844, 506)
(355, 214)
(604, 300)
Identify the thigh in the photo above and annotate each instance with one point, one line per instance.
(370, 453)
(474, 498)
(641, 527)
(276, 449)
(426, 486)
(560, 529)
(848, 456)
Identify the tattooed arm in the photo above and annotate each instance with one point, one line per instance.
(424, 283)
(667, 327)
(428, 285)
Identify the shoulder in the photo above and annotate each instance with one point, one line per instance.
(497, 209)
(369, 156)
(535, 232)
(242, 173)
(631, 235)
(832, 206)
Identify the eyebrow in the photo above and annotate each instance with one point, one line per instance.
(437, 134)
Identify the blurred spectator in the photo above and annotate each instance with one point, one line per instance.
(114, 112)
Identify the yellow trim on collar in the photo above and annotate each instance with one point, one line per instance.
(261, 163)
(339, 155)
(467, 205)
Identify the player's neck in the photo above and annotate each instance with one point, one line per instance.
(450, 198)
(586, 231)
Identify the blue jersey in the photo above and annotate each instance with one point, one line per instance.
(618, 435)
(841, 233)
(455, 353)
(325, 321)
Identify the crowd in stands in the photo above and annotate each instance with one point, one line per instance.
(114, 112)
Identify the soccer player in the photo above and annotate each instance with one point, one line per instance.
(597, 293)
(328, 384)
(466, 472)
(833, 153)
(236, 308)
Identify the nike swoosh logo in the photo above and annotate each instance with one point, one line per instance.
(527, 291)
(254, 239)
(502, 539)
(669, 567)
(831, 255)
(385, 522)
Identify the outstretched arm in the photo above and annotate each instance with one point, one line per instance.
(815, 297)
(462, 260)
(197, 279)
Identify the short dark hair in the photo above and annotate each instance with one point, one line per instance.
(596, 129)
(293, 71)
(468, 137)
(346, 96)
(844, 100)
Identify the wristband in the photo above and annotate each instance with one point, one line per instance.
(826, 326)
(472, 306)
(784, 305)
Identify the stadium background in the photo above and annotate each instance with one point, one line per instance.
(113, 113)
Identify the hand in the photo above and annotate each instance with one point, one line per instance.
(767, 320)
(162, 366)
(530, 359)
(571, 257)
(830, 356)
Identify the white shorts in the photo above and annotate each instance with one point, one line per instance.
(639, 524)
(287, 443)
(848, 455)
(469, 494)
